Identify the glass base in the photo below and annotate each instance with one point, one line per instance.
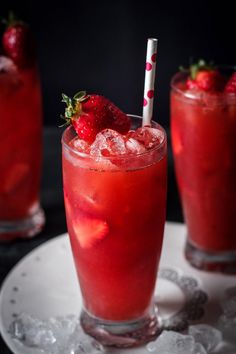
(121, 334)
(25, 228)
(224, 262)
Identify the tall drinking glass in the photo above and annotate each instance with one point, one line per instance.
(115, 210)
(203, 130)
(20, 151)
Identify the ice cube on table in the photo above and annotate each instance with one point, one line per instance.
(151, 347)
(229, 306)
(207, 335)
(227, 324)
(199, 349)
(60, 335)
(32, 332)
(170, 342)
(79, 342)
(108, 143)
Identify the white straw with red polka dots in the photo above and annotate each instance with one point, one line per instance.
(149, 80)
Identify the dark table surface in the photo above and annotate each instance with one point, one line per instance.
(52, 202)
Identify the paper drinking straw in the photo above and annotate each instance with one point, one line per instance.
(150, 71)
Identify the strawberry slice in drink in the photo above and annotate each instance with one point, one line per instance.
(90, 230)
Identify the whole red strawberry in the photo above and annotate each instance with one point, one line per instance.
(210, 80)
(205, 77)
(231, 84)
(18, 43)
(191, 84)
(90, 114)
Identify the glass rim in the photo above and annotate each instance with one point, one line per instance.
(192, 95)
(114, 157)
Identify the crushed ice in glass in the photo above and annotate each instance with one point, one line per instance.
(207, 335)
(108, 143)
(58, 335)
(148, 136)
(80, 145)
(111, 143)
(134, 147)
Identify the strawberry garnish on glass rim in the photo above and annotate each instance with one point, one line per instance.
(18, 42)
(90, 114)
(205, 77)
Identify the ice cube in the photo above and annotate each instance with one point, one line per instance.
(170, 342)
(59, 335)
(7, 65)
(80, 145)
(79, 342)
(207, 335)
(9, 76)
(32, 332)
(108, 143)
(229, 306)
(151, 347)
(227, 324)
(148, 136)
(199, 349)
(62, 328)
(227, 321)
(134, 146)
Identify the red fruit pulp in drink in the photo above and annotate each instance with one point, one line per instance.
(115, 220)
(20, 141)
(203, 129)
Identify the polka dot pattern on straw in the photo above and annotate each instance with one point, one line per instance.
(149, 80)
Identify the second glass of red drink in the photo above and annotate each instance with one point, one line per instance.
(20, 135)
(203, 130)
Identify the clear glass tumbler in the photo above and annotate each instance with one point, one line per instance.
(20, 151)
(203, 131)
(115, 210)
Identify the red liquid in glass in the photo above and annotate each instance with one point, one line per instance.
(117, 273)
(204, 144)
(20, 143)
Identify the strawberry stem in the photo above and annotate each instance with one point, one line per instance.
(73, 105)
(12, 20)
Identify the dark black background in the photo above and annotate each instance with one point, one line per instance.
(100, 46)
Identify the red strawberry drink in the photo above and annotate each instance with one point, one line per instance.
(115, 197)
(20, 136)
(203, 128)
